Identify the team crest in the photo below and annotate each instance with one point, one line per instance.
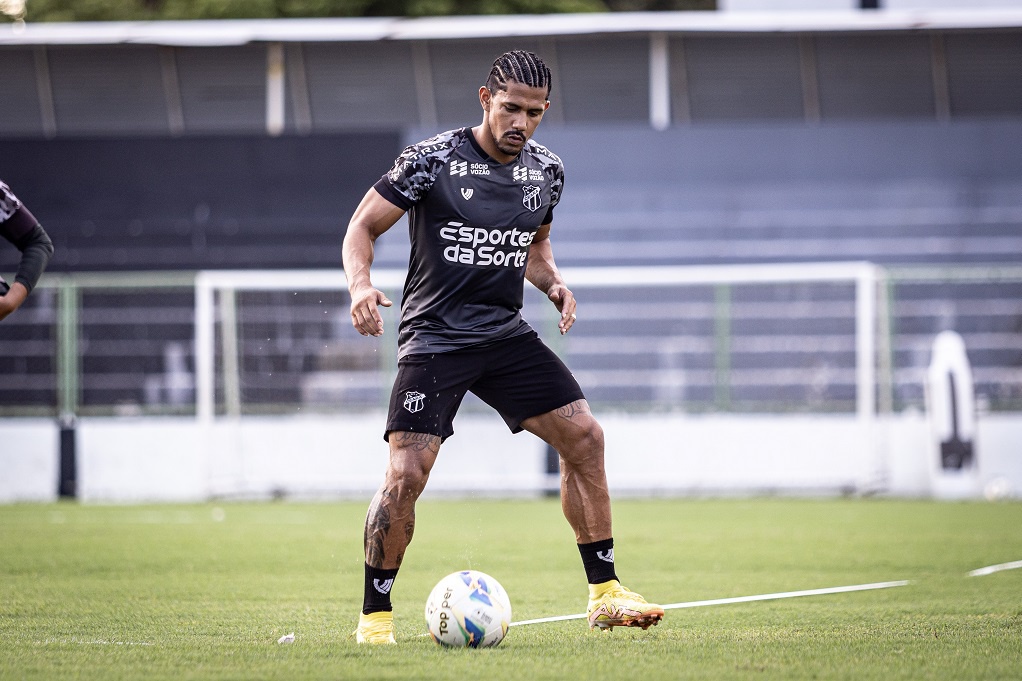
(467, 193)
(531, 200)
(414, 401)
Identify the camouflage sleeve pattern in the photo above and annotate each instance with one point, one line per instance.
(9, 203)
(554, 169)
(416, 168)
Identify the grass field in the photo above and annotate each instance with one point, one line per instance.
(205, 591)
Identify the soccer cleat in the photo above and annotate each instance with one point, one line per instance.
(376, 627)
(612, 605)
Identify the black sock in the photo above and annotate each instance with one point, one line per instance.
(376, 596)
(598, 560)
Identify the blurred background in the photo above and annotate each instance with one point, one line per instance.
(774, 210)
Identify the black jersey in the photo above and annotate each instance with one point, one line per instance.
(471, 221)
(9, 203)
(20, 227)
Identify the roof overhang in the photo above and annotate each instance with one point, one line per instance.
(244, 31)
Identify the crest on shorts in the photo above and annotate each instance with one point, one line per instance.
(414, 401)
(531, 200)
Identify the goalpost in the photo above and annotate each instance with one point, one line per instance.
(734, 338)
(871, 342)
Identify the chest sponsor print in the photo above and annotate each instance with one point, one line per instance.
(490, 247)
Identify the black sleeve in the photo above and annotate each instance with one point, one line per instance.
(387, 191)
(36, 249)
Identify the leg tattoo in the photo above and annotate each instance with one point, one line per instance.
(377, 527)
(419, 442)
(573, 409)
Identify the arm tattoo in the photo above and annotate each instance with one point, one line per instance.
(377, 527)
(419, 442)
(573, 409)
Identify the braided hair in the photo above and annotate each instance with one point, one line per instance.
(520, 66)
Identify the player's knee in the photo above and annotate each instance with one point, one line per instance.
(586, 446)
(408, 475)
(593, 437)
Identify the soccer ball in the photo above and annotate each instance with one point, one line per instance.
(468, 608)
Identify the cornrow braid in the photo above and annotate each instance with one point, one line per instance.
(520, 66)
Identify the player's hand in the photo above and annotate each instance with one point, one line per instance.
(12, 298)
(365, 311)
(564, 300)
(6, 307)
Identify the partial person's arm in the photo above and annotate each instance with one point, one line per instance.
(374, 216)
(542, 272)
(22, 230)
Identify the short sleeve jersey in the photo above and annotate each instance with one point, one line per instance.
(471, 221)
(9, 203)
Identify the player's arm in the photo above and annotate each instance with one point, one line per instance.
(542, 272)
(22, 230)
(374, 216)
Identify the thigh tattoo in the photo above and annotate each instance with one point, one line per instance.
(573, 409)
(419, 442)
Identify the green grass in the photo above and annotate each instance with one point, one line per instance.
(190, 592)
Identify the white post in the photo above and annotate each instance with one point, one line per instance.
(865, 343)
(659, 82)
(275, 102)
(865, 370)
(229, 336)
(205, 348)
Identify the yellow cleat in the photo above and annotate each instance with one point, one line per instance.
(612, 605)
(375, 628)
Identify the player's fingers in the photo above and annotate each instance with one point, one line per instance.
(365, 320)
(567, 305)
(568, 316)
(376, 322)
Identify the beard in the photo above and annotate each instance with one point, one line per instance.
(510, 143)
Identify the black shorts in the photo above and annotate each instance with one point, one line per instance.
(520, 377)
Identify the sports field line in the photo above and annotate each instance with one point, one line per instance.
(991, 569)
(742, 599)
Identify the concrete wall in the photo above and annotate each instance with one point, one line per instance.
(170, 459)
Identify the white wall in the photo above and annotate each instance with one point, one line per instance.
(29, 456)
(178, 459)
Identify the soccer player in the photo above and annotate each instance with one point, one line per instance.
(20, 227)
(480, 203)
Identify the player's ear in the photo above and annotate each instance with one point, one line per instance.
(485, 97)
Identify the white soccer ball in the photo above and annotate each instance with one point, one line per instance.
(468, 608)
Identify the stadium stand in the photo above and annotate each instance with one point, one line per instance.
(897, 145)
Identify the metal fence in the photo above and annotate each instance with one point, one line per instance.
(822, 338)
